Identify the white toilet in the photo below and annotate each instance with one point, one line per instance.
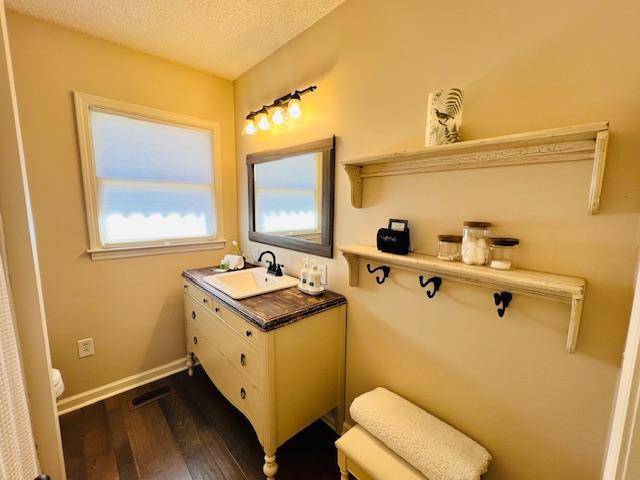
(58, 384)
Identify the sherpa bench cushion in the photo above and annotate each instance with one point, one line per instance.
(430, 445)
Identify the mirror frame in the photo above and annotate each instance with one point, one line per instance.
(328, 149)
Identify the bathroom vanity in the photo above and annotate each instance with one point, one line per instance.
(277, 357)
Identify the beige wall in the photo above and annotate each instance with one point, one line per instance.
(131, 307)
(508, 383)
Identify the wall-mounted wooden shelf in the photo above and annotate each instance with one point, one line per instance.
(569, 144)
(524, 282)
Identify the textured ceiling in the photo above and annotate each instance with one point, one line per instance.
(224, 37)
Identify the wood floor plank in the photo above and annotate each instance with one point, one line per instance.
(127, 469)
(199, 459)
(309, 454)
(71, 428)
(235, 430)
(209, 436)
(154, 449)
(194, 433)
(96, 444)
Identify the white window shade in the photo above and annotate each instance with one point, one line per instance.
(149, 176)
(135, 149)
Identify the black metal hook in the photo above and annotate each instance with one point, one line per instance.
(437, 282)
(503, 298)
(385, 272)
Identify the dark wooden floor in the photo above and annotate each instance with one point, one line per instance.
(192, 433)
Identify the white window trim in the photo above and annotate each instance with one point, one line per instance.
(84, 103)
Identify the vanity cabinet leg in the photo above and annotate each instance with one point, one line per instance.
(270, 466)
(190, 364)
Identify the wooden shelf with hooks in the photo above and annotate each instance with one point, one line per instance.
(548, 286)
(567, 144)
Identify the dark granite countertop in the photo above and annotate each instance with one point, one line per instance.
(269, 310)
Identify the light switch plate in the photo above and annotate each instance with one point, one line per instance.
(85, 347)
(323, 274)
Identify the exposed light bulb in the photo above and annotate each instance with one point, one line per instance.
(263, 122)
(277, 116)
(294, 109)
(250, 127)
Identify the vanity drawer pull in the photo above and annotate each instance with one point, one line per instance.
(248, 333)
(217, 309)
(243, 393)
(243, 359)
(193, 314)
(205, 300)
(195, 340)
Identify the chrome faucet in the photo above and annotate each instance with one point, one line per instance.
(274, 268)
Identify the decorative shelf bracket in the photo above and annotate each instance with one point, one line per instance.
(436, 281)
(547, 286)
(503, 298)
(568, 144)
(574, 322)
(385, 273)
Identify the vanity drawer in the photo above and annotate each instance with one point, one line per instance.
(191, 310)
(245, 357)
(200, 296)
(239, 324)
(195, 339)
(240, 392)
(194, 316)
(243, 327)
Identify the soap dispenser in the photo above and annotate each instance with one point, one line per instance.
(304, 273)
(314, 278)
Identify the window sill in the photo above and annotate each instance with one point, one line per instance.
(146, 250)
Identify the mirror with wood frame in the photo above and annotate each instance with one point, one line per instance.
(291, 197)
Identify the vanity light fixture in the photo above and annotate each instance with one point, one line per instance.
(294, 109)
(277, 113)
(262, 117)
(282, 109)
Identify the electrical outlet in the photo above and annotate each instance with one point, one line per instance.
(85, 347)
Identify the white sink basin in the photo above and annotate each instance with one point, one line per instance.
(249, 282)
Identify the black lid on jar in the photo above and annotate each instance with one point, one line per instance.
(477, 224)
(450, 238)
(504, 241)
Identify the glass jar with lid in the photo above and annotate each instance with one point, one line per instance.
(502, 250)
(475, 243)
(449, 248)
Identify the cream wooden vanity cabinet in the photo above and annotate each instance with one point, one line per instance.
(278, 357)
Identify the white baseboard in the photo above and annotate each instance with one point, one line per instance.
(94, 395)
(330, 419)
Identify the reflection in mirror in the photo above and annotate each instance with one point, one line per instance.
(291, 197)
(288, 197)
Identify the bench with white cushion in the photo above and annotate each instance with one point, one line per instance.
(367, 458)
(397, 440)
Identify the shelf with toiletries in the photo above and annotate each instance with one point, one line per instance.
(578, 143)
(505, 283)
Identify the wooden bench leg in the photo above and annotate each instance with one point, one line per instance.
(342, 463)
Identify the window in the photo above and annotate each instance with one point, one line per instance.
(150, 178)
